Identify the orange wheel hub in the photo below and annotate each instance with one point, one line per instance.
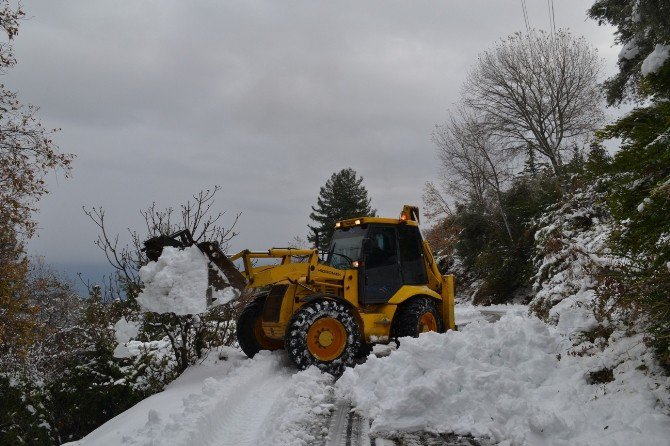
(326, 339)
(427, 323)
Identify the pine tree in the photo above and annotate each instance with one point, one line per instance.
(641, 25)
(640, 170)
(343, 196)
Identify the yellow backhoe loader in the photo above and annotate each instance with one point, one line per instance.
(378, 281)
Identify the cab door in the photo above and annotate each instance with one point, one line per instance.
(381, 266)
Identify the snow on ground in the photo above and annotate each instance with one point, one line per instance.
(504, 375)
(513, 381)
(231, 402)
(465, 312)
(177, 283)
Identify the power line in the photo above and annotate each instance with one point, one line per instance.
(525, 15)
(552, 17)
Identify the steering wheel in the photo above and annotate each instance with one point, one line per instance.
(351, 261)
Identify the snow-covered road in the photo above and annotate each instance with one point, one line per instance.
(242, 414)
(500, 379)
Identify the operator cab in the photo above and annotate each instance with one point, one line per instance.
(387, 254)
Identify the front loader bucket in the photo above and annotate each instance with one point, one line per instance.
(219, 263)
(223, 263)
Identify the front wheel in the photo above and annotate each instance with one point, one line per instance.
(417, 316)
(325, 334)
(250, 334)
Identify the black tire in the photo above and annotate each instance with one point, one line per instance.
(247, 335)
(408, 317)
(296, 342)
(364, 350)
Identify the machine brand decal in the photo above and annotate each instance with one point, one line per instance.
(325, 271)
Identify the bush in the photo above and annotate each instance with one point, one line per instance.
(23, 416)
(505, 268)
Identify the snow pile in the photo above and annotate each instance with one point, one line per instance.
(124, 331)
(515, 380)
(158, 350)
(656, 59)
(466, 313)
(177, 283)
(511, 381)
(305, 403)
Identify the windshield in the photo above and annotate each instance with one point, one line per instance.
(345, 247)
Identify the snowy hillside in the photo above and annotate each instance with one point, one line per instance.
(509, 381)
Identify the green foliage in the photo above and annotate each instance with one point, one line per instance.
(639, 195)
(24, 419)
(641, 167)
(504, 268)
(640, 201)
(342, 197)
(92, 390)
(640, 24)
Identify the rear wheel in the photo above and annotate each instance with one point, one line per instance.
(325, 334)
(249, 329)
(417, 316)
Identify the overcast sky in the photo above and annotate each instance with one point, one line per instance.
(159, 99)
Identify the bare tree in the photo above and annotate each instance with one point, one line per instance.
(475, 168)
(195, 215)
(189, 335)
(538, 90)
(435, 204)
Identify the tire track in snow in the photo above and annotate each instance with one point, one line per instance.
(347, 428)
(248, 412)
(243, 405)
(337, 434)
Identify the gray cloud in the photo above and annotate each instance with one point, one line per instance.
(159, 99)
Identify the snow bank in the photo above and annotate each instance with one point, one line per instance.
(656, 59)
(306, 402)
(466, 313)
(177, 283)
(512, 381)
(228, 400)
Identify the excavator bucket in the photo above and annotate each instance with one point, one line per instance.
(222, 272)
(225, 265)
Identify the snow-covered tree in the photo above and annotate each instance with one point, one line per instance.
(27, 155)
(639, 194)
(643, 28)
(188, 335)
